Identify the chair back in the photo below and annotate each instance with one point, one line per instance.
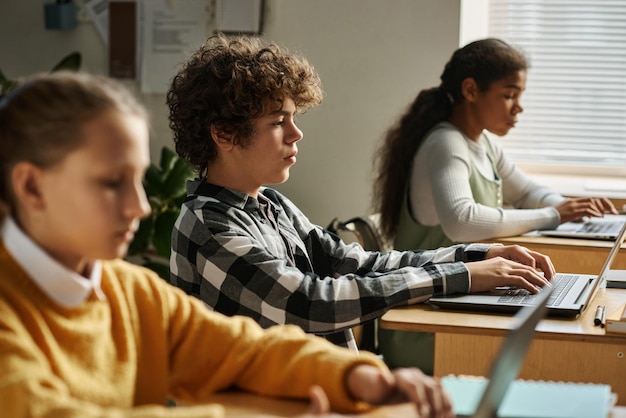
(361, 229)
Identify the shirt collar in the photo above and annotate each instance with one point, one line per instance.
(231, 197)
(65, 287)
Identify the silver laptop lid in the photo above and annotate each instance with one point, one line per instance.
(595, 228)
(613, 253)
(511, 357)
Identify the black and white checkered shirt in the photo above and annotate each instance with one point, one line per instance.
(264, 259)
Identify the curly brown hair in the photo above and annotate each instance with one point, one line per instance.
(227, 83)
(486, 61)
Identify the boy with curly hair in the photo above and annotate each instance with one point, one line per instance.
(245, 249)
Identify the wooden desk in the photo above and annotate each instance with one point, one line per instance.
(244, 405)
(562, 350)
(570, 255)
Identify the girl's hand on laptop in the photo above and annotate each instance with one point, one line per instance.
(575, 209)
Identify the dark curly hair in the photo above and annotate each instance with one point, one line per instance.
(227, 83)
(486, 61)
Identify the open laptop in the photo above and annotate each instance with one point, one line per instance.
(502, 395)
(572, 292)
(506, 366)
(606, 228)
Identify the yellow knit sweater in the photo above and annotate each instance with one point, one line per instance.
(124, 356)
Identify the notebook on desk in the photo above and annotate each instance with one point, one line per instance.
(503, 396)
(572, 292)
(594, 228)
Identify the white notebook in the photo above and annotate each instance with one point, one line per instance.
(533, 399)
(503, 396)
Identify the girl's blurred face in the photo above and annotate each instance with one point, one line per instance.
(94, 199)
(498, 107)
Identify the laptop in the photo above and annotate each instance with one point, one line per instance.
(502, 395)
(506, 366)
(572, 292)
(606, 228)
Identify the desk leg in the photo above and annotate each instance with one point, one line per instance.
(569, 361)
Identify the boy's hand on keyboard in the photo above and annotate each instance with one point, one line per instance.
(510, 265)
(524, 256)
(491, 273)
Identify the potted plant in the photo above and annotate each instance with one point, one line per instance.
(70, 62)
(165, 187)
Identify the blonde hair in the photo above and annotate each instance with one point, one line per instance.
(41, 120)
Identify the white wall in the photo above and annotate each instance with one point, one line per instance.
(373, 57)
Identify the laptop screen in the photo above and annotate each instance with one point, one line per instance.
(509, 361)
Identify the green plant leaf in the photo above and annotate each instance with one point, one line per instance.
(175, 181)
(142, 237)
(153, 181)
(162, 238)
(168, 158)
(178, 202)
(70, 62)
(165, 189)
(3, 80)
(6, 85)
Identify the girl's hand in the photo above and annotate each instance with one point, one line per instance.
(576, 209)
(375, 386)
(319, 406)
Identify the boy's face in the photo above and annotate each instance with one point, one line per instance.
(272, 151)
(93, 199)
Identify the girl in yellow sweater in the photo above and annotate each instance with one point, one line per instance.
(85, 334)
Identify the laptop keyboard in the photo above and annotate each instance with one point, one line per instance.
(601, 228)
(561, 282)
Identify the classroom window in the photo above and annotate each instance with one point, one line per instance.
(574, 120)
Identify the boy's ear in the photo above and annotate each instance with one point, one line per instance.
(26, 179)
(469, 89)
(221, 139)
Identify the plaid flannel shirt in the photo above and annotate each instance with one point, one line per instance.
(262, 258)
